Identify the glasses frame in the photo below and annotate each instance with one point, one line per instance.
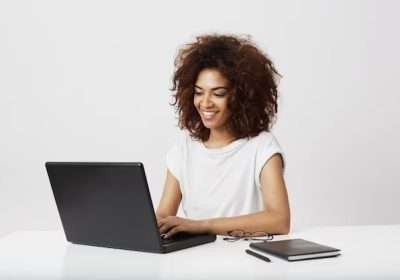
(248, 236)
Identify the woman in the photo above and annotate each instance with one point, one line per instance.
(227, 170)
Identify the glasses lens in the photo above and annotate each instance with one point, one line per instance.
(231, 239)
(258, 234)
(236, 233)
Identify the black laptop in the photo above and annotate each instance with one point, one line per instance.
(109, 205)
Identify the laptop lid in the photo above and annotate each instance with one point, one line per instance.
(105, 204)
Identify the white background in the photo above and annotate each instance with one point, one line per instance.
(89, 81)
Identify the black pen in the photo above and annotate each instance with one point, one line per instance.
(264, 258)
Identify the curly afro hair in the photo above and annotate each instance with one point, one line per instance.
(251, 75)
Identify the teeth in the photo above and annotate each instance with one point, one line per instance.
(209, 115)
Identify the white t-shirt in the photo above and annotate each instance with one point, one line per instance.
(221, 182)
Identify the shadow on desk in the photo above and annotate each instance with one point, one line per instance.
(89, 262)
(202, 262)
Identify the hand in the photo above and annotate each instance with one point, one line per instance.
(159, 217)
(171, 225)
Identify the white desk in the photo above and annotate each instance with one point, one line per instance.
(368, 252)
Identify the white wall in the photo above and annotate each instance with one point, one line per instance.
(89, 80)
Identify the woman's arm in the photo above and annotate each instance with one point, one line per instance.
(275, 219)
(170, 198)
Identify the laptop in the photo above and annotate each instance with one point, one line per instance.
(109, 205)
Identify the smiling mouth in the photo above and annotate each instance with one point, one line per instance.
(208, 115)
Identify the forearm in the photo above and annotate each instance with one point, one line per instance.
(264, 221)
(162, 213)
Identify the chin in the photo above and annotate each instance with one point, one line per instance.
(211, 126)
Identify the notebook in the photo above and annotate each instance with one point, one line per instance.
(296, 249)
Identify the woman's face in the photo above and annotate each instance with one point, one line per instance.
(211, 98)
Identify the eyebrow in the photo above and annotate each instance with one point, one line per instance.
(214, 88)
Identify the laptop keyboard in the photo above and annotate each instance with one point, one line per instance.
(177, 237)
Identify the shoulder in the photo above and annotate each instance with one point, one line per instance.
(181, 141)
(266, 146)
(264, 138)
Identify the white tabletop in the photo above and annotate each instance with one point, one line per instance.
(367, 252)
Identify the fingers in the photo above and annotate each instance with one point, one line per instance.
(173, 231)
(165, 228)
(159, 218)
(170, 225)
(159, 221)
(167, 223)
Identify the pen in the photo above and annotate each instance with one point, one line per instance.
(264, 258)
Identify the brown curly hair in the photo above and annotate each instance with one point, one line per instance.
(251, 75)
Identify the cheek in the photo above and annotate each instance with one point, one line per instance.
(223, 105)
(226, 112)
(196, 101)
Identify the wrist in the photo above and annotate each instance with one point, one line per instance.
(206, 226)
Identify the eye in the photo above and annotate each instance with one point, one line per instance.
(220, 94)
(197, 92)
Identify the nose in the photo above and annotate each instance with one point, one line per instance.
(206, 101)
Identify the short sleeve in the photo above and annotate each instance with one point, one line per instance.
(173, 160)
(268, 146)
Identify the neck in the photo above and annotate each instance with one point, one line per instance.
(219, 138)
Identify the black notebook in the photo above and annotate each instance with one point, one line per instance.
(296, 249)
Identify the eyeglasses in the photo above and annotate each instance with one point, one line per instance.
(238, 234)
